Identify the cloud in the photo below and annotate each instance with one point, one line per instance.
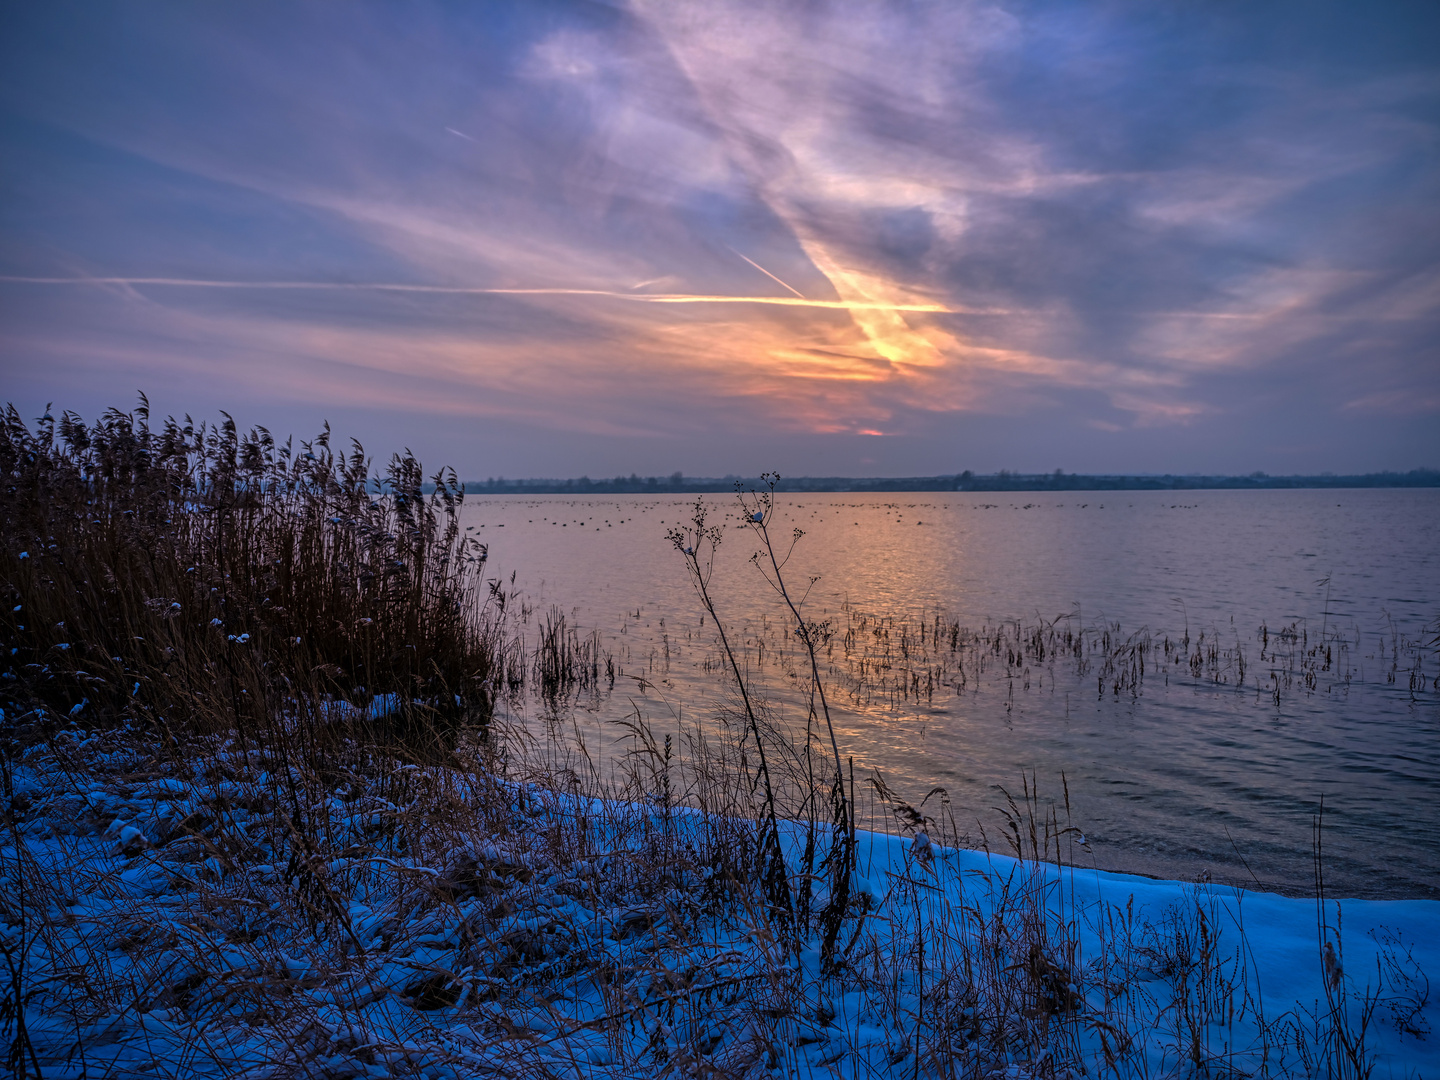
(1398, 402)
(736, 217)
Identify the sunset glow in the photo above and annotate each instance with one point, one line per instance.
(539, 239)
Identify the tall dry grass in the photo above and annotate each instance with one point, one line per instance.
(193, 579)
(263, 820)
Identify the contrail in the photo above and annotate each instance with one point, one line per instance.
(457, 290)
(767, 273)
(790, 301)
(462, 134)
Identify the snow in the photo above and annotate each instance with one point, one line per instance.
(211, 949)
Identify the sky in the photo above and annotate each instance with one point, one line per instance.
(867, 239)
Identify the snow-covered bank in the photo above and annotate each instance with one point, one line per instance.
(213, 917)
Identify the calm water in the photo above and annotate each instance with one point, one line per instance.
(1175, 777)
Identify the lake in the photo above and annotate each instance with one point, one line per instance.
(1201, 666)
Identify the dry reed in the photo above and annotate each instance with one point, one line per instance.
(233, 853)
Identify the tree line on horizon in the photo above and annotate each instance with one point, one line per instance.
(1004, 480)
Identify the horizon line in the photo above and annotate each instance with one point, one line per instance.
(967, 481)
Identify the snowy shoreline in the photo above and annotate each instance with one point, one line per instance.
(213, 918)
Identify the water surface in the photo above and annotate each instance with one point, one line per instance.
(1185, 773)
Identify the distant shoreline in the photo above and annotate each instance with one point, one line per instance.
(677, 484)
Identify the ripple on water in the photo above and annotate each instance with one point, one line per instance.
(1180, 777)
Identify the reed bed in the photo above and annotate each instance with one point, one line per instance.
(894, 661)
(194, 579)
(232, 852)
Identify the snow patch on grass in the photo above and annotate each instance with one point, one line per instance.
(228, 913)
